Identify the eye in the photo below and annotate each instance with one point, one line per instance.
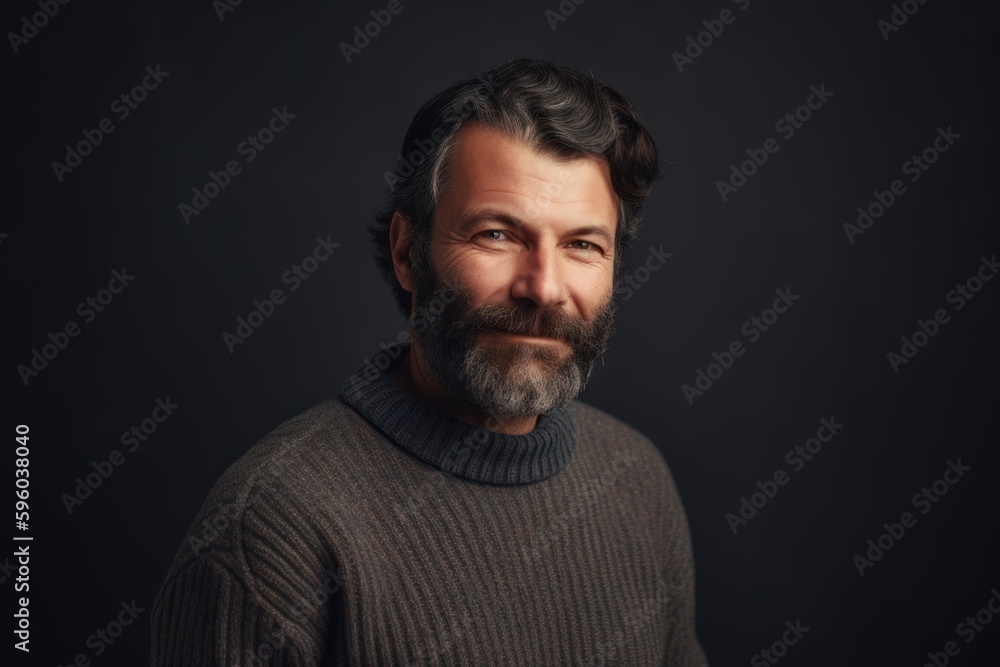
(588, 245)
(489, 232)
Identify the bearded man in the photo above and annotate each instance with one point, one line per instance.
(455, 504)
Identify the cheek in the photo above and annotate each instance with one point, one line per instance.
(483, 275)
(591, 289)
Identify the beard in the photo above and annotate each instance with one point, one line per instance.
(504, 377)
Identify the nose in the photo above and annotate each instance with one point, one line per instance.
(538, 277)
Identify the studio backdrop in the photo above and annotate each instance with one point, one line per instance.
(806, 327)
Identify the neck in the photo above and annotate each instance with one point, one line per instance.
(413, 377)
(455, 445)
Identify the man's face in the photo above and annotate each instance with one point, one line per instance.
(529, 242)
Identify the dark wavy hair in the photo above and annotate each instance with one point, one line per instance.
(555, 109)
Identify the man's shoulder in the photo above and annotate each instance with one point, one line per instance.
(290, 473)
(308, 444)
(321, 429)
(285, 495)
(603, 431)
(614, 447)
(594, 421)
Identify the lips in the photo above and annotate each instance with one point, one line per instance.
(531, 335)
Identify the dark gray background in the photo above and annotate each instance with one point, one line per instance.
(323, 176)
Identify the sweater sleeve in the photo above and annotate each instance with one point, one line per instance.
(265, 590)
(206, 615)
(683, 647)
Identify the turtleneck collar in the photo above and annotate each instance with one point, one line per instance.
(454, 446)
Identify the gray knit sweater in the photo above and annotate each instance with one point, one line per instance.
(374, 530)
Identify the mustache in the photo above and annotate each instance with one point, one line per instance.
(547, 324)
(555, 324)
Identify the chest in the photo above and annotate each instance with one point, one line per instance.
(447, 578)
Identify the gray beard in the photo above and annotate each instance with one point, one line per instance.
(518, 381)
(504, 379)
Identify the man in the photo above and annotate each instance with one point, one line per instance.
(455, 504)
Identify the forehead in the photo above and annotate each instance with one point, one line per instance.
(490, 168)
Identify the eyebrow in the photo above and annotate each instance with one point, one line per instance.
(514, 221)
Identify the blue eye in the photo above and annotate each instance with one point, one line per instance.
(588, 246)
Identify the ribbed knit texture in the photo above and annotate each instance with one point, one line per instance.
(454, 446)
(339, 540)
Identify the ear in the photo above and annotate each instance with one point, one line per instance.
(400, 244)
